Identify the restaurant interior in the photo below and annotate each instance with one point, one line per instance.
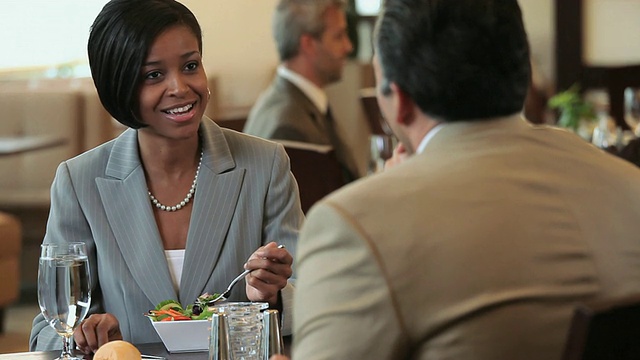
(50, 111)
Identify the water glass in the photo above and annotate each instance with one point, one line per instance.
(64, 294)
(381, 149)
(244, 321)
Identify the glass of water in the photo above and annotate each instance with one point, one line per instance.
(244, 320)
(381, 150)
(64, 293)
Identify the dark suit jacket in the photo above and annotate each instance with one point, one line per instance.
(245, 198)
(284, 112)
(631, 152)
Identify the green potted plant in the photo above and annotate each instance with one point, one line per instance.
(574, 110)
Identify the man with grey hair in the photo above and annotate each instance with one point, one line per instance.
(313, 45)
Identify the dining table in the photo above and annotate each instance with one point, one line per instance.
(156, 350)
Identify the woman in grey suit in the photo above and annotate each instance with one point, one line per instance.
(175, 206)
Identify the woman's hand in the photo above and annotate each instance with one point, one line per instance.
(271, 269)
(95, 331)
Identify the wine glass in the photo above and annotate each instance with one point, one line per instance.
(64, 293)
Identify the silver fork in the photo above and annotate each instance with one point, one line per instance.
(226, 292)
(232, 284)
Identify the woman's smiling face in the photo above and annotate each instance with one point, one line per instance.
(173, 93)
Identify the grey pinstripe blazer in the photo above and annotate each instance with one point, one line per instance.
(246, 197)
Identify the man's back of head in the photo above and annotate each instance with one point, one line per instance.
(458, 60)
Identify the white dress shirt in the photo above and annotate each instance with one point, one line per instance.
(428, 137)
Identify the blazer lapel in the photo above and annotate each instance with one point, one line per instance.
(127, 206)
(217, 193)
(319, 119)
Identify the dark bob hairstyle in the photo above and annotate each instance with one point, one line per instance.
(119, 42)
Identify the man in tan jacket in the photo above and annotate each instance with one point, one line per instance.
(482, 241)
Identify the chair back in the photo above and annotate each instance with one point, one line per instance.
(605, 330)
(316, 170)
(372, 112)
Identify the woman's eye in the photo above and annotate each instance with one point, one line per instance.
(191, 66)
(152, 75)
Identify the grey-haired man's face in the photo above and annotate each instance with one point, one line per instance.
(333, 46)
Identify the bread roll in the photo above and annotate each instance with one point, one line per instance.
(117, 350)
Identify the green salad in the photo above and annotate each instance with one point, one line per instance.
(172, 310)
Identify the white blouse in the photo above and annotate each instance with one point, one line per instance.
(175, 260)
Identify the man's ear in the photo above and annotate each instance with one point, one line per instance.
(405, 105)
(307, 44)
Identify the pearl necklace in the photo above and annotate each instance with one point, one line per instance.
(186, 200)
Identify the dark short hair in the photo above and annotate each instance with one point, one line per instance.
(119, 43)
(457, 59)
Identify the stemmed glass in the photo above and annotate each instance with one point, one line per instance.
(64, 293)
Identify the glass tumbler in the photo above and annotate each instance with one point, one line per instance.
(381, 149)
(244, 320)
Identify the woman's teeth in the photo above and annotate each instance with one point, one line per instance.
(179, 110)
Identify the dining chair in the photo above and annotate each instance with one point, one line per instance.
(11, 246)
(372, 112)
(605, 330)
(382, 140)
(316, 169)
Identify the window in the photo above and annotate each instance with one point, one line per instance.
(44, 33)
(368, 7)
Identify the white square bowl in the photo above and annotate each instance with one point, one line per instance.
(184, 335)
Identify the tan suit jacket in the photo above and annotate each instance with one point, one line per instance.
(477, 248)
